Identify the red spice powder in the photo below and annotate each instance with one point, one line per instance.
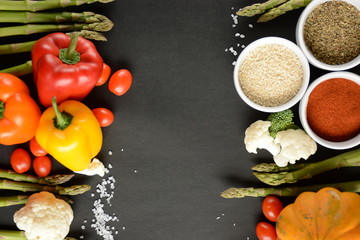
(333, 109)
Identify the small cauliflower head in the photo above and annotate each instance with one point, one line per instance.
(295, 144)
(257, 136)
(44, 217)
(96, 167)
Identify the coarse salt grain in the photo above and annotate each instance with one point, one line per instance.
(271, 75)
(101, 219)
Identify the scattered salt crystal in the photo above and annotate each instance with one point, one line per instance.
(243, 46)
(81, 237)
(250, 25)
(226, 50)
(110, 166)
(217, 218)
(135, 171)
(110, 153)
(101, 219)
(123, 228)
(234, 63)
(242, 36)
(234, 224)
(122, 149)
(237, 34)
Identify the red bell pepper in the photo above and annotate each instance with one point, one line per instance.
(65, 67)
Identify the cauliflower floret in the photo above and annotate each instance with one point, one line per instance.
(295, 144)
(96, 167)
(44, 217)
(257, 136)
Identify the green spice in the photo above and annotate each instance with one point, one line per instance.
(332, 32)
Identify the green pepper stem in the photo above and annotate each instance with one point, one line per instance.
(2, 109)
(62, 119)
(70, 55)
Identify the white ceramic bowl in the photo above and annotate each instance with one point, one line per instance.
(290, 45)
(303, 118)
(301, 42)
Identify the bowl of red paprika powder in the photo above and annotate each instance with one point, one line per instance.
(330, 110)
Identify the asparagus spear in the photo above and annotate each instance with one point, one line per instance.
(35, 5)
(274, 168)
(282, 9)
(19, 70)
(18, 235)
(22, 199)
(26, 46)
(13, 200)
(28, 29)
(32, 187)
(353, 186)
(46, 17)
(49, 180)
(348, 159)
(259, 8)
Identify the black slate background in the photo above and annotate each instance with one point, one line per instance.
(177, 140)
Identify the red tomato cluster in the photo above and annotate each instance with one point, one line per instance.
(271, 208)
(21, 161)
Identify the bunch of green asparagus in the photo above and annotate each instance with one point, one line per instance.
(271, 8)
(28, 17)
(10, 180)
(273, 175)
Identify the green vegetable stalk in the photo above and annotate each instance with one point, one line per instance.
(32, 187)
(28, 29)
(273, 175)
(50, 17)
(26, 46)
(259, 8)
(19, 70)
(35, 5)
(18, 235)
(13, 200)
(49, 180)
(353, 186)
(282, 9)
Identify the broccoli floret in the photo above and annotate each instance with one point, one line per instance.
(281, 121)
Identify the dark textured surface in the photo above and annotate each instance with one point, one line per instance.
(177, 139)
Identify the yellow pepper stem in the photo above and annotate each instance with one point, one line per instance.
(62, 119)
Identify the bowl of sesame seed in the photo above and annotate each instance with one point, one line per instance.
(328, 32)
(271, 74)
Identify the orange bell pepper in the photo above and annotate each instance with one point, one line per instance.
(19, 113)
(70, 133)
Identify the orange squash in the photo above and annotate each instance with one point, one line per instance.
(324, 215)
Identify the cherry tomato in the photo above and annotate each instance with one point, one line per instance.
(36, 149)
(20, 160)
(271, 208)
(104, 116)
(105, 75)
(265, 231)
(42, 166)
(120, 82)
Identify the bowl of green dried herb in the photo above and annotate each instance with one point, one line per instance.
(328, 32)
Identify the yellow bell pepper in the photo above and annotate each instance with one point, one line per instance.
(70, 133)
